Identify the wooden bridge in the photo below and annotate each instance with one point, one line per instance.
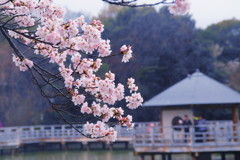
(18, 137)
(146, 138)
(15, 137)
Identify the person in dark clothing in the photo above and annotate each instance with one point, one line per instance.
(186, 123)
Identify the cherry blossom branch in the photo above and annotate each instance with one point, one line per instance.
(63, 58)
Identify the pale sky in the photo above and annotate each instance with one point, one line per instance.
(205, 12)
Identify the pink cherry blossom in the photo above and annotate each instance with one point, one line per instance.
(180, 7)
(23, 65)
(99, 130)
(127, 53)
(53, 38)
(131, 85)
(78, 99)
(28, 62)
(86, 109)
(68, 81)
(64, 45)
(134, 101)
(110, 76)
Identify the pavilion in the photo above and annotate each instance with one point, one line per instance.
(196, 90)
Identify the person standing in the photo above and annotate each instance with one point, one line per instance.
(202, 128)
(186, 123)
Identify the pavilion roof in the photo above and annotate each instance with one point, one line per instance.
(193, 90)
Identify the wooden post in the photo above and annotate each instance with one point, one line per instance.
(161, 124)
(163, 156)
(13, 151)
(152, 157)
(126, 145)
(103, 145)
(87, 146)
(24, 148)
(235, 121)
(63, 145)
(223, 157)
(111, 146)
(194, 156)
(235, 114)
(169, 155)
(81, 146)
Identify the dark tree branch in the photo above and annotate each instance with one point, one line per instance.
(138, 3)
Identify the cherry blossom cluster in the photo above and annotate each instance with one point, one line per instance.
(24, 64)
(76, 49)
(135, 99)
(99, 130)
(69, 45)
(127, 53)
(181, 7)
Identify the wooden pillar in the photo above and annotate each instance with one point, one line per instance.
(163, 156)
(63, 146)
(223, 157)
(13, 151)
(81, 146)
(111, 146)
(235, 114)
(161, 124)
(152, 157)
(41, 146)
(87, 146)
(24, 148)
(194, 156)
(103, 145)
(169, 156)
(126, 145)
(235, 120)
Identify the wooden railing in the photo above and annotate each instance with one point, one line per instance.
(143, 135)
(15, 136)
(211, 134)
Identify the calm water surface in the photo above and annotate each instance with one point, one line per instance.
(84, 155)
(74, 155)
(95, 155)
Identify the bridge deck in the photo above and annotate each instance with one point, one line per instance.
(146, 137)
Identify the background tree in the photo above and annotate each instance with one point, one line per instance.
(171, 47)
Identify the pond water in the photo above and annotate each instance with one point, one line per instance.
(83, 155)
(74, 155)
(95, 155)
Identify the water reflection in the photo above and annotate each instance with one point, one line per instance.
(74, 155)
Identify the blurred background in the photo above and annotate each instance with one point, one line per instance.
(166, 49)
